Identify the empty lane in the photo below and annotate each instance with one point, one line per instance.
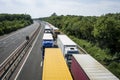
(32, 69)
(10, 43)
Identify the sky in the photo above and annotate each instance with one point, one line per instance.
(44, 8)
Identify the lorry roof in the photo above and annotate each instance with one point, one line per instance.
(93, 69)
(47, 36)
(47, 27)
(55, 67)
(53, 27)
(66, 40)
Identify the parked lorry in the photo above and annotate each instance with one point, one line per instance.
(55, 67)
(55, 31)
(47, 29)
(85, 67)
(67, 46)
(47, 41)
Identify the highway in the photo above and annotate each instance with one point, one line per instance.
(32, 67)
(27, 62)
(11, 42)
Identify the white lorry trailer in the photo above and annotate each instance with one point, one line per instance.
(47, 29)
(67, 46)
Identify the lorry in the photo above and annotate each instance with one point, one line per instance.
(55, 31)
(47, 29)
(67, 46)
(47, 41)
(85, 67)
(55, 67)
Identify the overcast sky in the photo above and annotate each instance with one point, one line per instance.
(44, 8)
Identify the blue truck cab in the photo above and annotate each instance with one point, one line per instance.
(47, 42)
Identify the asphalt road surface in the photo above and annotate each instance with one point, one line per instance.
(32, 69)
(11, 42)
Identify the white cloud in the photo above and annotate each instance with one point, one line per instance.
(40, 8)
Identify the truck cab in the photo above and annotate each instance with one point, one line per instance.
(68, 54)
(47, 42)
(67, 46)
(47, 29)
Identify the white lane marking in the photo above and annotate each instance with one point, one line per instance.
(26, 57)
(23, 63)
(10, 54)
(14, 50)
(41, 64)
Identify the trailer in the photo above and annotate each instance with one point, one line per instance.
(67, 46)
(85, 67)
(47, 29)
(55, 31)
(55, 67)
(47, 42)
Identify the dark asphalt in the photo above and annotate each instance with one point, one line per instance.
(32, 69)
(10, 43)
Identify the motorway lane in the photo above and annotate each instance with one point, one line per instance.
(32, 69)
(10, 43)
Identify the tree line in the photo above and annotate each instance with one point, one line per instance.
(103, 31)
(99, 35)
(12, 22)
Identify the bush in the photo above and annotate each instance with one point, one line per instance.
(93, 50)
(12, 22)
(114, 67)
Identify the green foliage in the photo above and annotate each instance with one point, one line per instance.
(107, 33)
(101, 55)
(92, 49)
(99, 36)
(54, 14)
(103, 30)
(114, 67)
(12, 22)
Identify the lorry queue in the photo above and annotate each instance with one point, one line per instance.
(65, 58)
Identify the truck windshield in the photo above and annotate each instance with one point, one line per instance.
(48, 40)
(72, 52)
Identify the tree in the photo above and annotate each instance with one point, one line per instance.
(54, 14)
(107, 31)
(12, 22)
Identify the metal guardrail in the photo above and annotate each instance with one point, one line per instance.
(81, 49)
(9, 65)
